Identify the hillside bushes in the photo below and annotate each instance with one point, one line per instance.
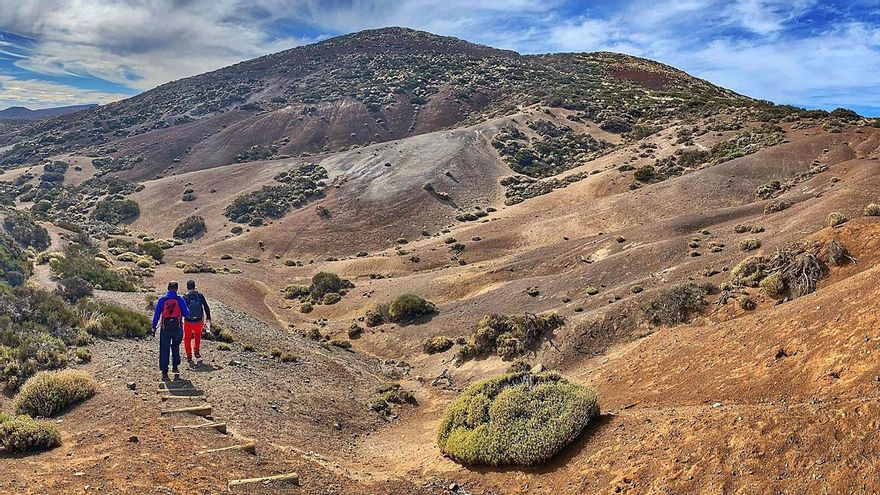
(81, 261)
(508, 336)
(297, 187)
(406, 308)
(50, 392)
(326, 288)
(519, 418)
(116, 211)
(15, 267)
(25, 434)
(190, 228)
(678, 304)
(25, 231)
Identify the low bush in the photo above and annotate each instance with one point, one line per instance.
(508, 336)
(81, 261)
(72, 289)
(190, 228)
(678, 304)
(776, 207)
(520, 418)
(116, 322)
(116, 211)
(773, 285)
(152, 250)
(15, 267)
(872, 210)
(23, 434)
(326, 282)
(409, 307)
(50, 392)
(836, 218)
(392, 394)
(749, 244)
(25, 231)
(83, 354)
(440, 343)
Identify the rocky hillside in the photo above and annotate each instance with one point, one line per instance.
(367, 87)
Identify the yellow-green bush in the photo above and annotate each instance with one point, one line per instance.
(24, 434)
(773, 285)
(836, 218)
(408, 307)
(518, 418)
(50, 392)
(440, 343)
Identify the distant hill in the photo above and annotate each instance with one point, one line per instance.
(24, 113)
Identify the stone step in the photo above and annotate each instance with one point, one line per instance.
(183, 397)
(197, 410)
(279, 479)
(250, 448)
(186, 392)
(221, 427)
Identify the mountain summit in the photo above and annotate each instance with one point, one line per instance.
(370, 86)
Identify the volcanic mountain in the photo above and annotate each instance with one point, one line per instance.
(699, 258)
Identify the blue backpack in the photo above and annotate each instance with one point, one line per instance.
(194, 303)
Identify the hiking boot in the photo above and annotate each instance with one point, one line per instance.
(175, 370)
(190, 361)
(165, 376)
(198, 355)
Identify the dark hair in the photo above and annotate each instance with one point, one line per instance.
(172, 286)
(190, 284)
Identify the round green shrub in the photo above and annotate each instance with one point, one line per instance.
(50, 392)
(408, 307)
(24, 434)
(518, 418)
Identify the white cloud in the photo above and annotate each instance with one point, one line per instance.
(41, 94)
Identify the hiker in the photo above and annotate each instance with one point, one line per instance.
(168, 317)
(194, 324)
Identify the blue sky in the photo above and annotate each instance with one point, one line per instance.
(802, 52)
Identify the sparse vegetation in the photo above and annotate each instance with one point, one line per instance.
(872, 210)
(81, 261)
(508, 336)
(440, 343)
(25, 231)
(518, 418)
(50, 392)
(836, 219)
(749, 244)
(116, 211)
(22, 434)
(190, 228)
(298, 186)
(678, 304)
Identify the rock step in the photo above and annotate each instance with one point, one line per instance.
(197, 410)
(182, 397)
(188, 392)
(221, 427)
(250, 448)
(281, 479)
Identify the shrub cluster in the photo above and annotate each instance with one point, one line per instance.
(297, 187)
(15, 267)
(508, 336)
(190, 228)
(24, 434)
(519, 418)
(678, 304)
(406, 308)
(440, 343)
(391, 394)
(25, 231)
(116, 211)
(50, 392)
(82, 261)
(326, 288)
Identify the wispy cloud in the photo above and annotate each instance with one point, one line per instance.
(38, 94)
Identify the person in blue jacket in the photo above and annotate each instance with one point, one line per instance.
(168, 317)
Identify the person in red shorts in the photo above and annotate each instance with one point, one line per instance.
(193, 325)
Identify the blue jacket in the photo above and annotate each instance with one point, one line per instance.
(184, 309)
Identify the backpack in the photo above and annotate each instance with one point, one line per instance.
(194, 303)
(171, 315)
